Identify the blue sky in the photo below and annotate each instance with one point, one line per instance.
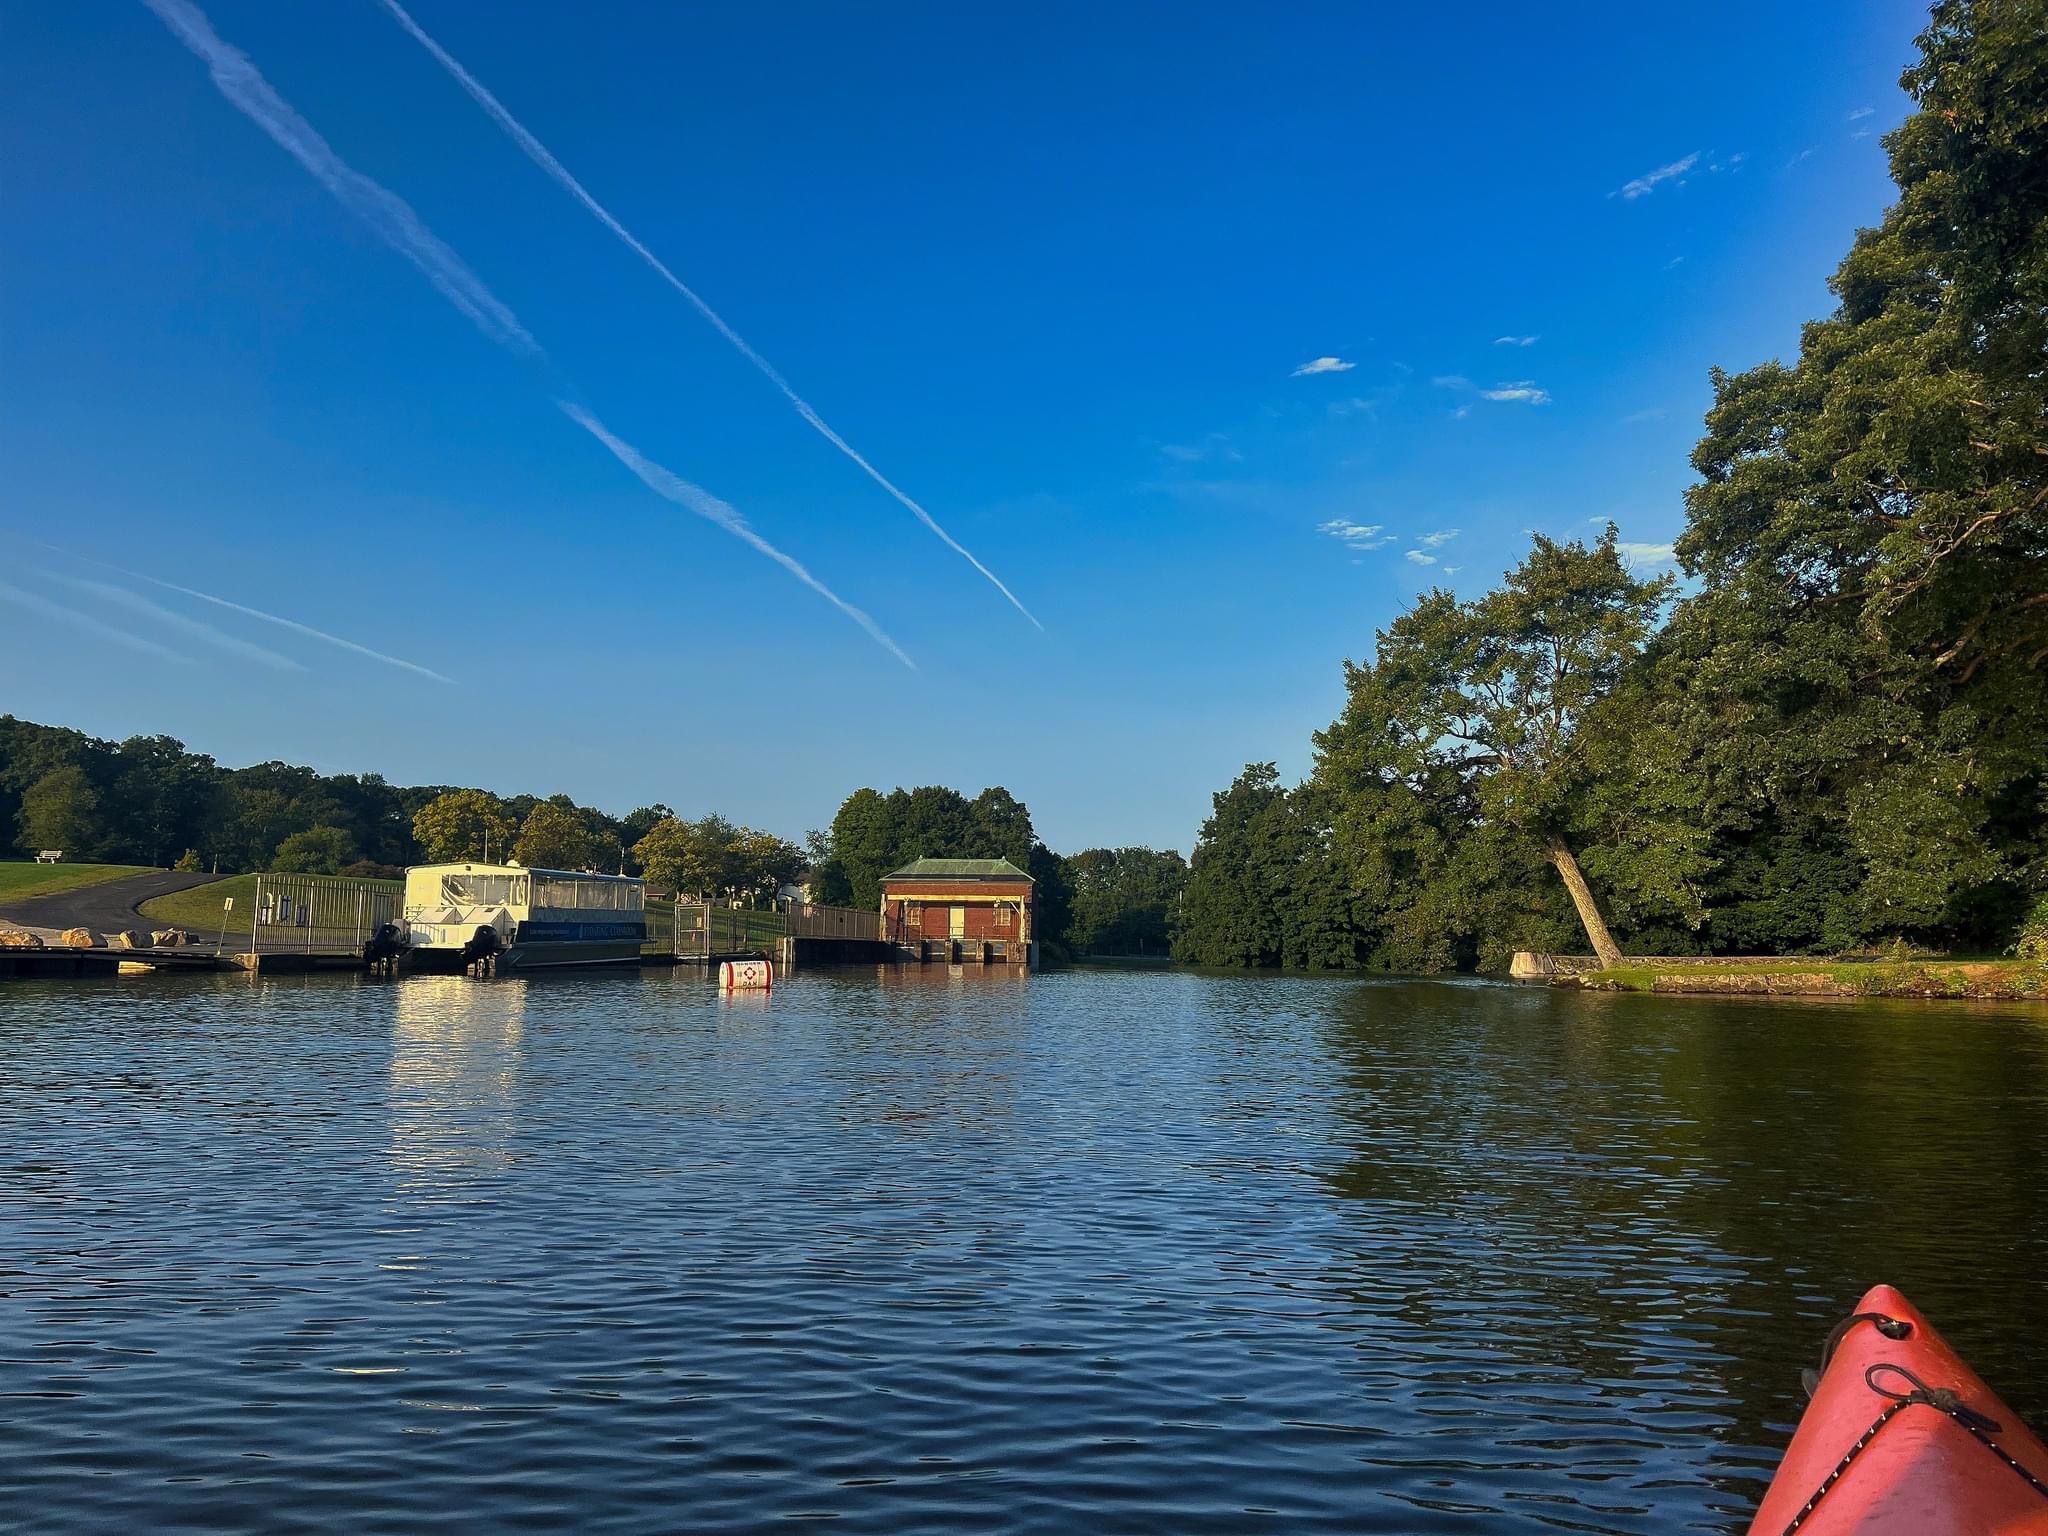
(1063, 274)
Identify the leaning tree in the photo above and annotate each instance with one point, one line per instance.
(1498, 691)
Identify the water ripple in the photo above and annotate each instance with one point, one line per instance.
(919, 1252)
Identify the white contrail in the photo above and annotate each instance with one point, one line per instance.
(135, 602)
(393, 219)
(36, 603)
(295, 626)
(383, 210)
(539, 154)
(666, 483)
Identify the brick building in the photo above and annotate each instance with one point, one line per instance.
(962, 909)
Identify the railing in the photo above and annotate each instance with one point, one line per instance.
(661, 930)
(812, 922)
(319, 914)
(698, 929)
(701, 930)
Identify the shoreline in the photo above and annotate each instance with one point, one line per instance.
(1794, 976)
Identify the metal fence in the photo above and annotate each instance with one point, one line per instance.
(813, 922)
(318, 914)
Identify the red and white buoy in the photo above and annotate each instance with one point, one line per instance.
(745, 976)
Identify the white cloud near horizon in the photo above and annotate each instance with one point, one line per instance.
(1860, 112)
(1516, 341)
(1440, 538)
(135, 602)
(35, 602)
(541, 156)
(1649, 181)
(1322, 365)
(1521, 391)
(1418, 557)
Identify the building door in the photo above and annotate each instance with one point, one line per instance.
(959, 922)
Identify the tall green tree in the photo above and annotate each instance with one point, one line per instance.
(864, 841)
(461, 825)
(1499, 689)
(1125, 900)
(61, 810)
(555, 836)
(315, 851)
(1871, 530)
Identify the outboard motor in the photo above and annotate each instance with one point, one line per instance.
(481, 951)
(382, 949)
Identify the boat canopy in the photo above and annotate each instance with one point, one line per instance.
(519, 891)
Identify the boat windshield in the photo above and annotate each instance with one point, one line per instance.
(465, 890)
(566, 893)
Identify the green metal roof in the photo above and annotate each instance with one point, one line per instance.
(958, 869)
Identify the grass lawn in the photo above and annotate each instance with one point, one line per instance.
(1938, 976)
(199, 909)
(18, 882)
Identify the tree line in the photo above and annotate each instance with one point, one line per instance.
(1832, 733)
(147, 800)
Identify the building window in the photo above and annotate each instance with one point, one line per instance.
(1002, 917)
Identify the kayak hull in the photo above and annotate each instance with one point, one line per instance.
(1922, 1473)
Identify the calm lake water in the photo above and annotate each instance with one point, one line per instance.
(1079, 1252)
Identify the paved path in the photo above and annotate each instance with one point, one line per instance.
(104, 908)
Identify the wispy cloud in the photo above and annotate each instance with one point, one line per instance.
(1358, 536)
(1451, 570)
(673, 487)
(1649, 181)
(278, 619)
(1521, 391)
(1516, 341)
(1652, 413)
(1451, 381)
(1676, 261)
(393, 220)
(540, 155)
(36, 603)
(1645, 556)
(1805, 154)
(1323, 365)
(1215, 446)
(1860, 113)
(135, 602)
(383, 210)
(1418, 557)
(1440, 538)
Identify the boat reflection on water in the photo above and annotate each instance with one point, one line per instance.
(457, 1048)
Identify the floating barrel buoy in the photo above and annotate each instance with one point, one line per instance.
(745, 975)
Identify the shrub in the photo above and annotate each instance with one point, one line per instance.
(2031, 943)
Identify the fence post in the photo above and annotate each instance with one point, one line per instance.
(255, 915)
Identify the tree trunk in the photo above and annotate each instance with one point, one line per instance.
(1604, 947)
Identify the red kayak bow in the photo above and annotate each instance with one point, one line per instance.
(1903, 1439)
